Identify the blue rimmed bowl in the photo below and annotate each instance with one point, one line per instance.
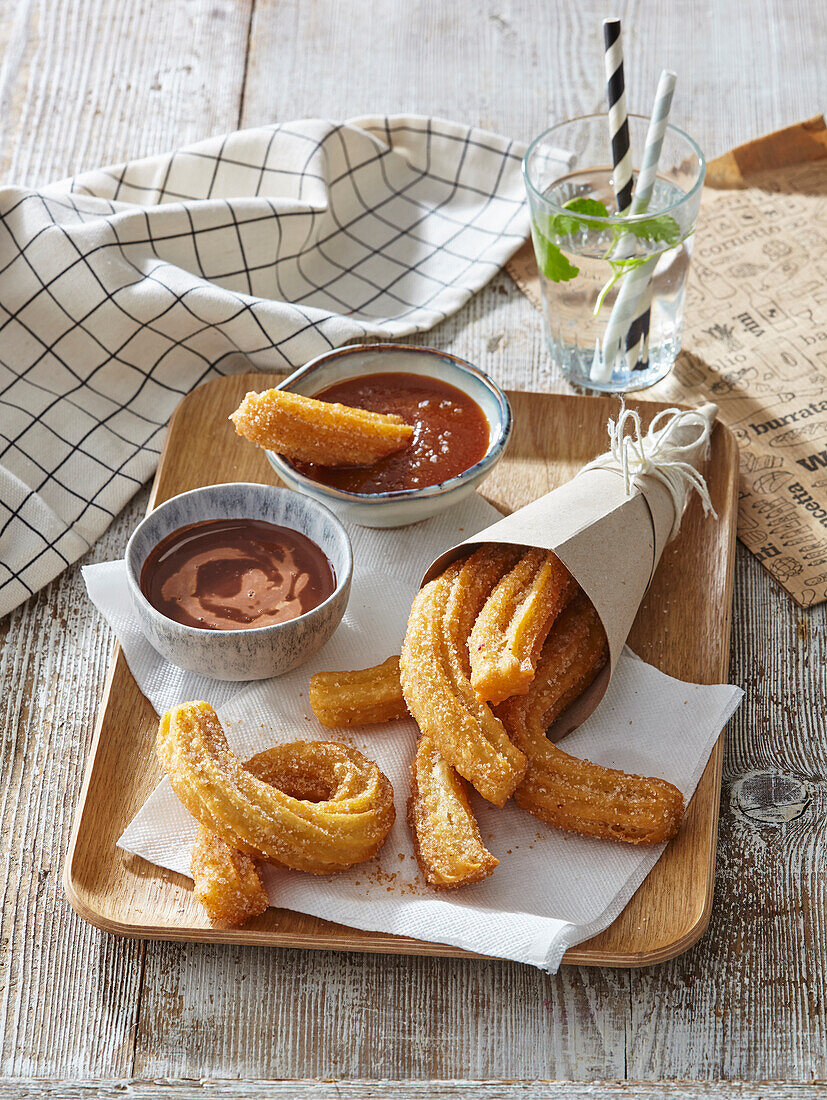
(404, 506)
(263, 651)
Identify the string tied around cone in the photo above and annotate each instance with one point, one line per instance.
(663, 453)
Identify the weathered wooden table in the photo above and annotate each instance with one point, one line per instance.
(87, 82)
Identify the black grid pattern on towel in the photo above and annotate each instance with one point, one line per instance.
(123, 289)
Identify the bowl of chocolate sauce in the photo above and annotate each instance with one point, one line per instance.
(461, 421)
(239, 581)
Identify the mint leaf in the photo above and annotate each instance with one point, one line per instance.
(592, 208)
(583, 205)
(551, 261)
(660, 229)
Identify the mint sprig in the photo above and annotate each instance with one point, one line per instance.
(582, 216)
(552, 262)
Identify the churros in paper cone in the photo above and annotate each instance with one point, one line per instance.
(610, 524)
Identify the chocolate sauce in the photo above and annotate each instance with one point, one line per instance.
(236, 574)
(450, 433)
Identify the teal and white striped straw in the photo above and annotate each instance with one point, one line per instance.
(631, 298)
(654, 142)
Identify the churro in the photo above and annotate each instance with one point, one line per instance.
(322, 432)
(435, 673)
(512, 626)
(447, 840)
(359, 698)
(227, 882)
(562, 790)
(316, 806)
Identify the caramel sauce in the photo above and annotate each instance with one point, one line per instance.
(236, 574)
(450, 433)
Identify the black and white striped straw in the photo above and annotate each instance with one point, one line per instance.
(637, 339)
(618, 118)
(629, 320)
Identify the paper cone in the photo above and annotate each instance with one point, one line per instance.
(609, 541)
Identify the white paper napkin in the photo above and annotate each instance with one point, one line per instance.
(551, 889)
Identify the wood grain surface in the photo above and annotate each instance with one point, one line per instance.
(83, 82)
(18, 1089)
(683, 627)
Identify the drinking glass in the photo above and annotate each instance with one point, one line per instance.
(600, 335)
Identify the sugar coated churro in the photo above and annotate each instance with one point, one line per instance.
(321, 432)
(509, 632)
(359, 698)
(560, 789)
(435, 672)
(227, 882)
(447, 840)
(312, 805)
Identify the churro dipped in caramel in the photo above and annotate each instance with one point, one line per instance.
(321, 432)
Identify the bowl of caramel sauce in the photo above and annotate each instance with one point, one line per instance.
(239, 581)
(461, 421)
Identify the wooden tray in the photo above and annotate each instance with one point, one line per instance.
(683, 627)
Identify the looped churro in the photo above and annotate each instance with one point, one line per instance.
(447, 840)
(435, 674)
(560, 789)
(359, 698)
(330, 806)
(322, 432)
(511, 628)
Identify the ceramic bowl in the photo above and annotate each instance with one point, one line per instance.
(397, 509)
(242, 654)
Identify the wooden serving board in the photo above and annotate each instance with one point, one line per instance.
(683, 627)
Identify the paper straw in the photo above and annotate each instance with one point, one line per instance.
(654, 142)
(618, 118)
(631, 306)
(632, 288)
(637, 340)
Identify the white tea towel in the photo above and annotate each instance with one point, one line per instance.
(551, 889)
(122, 289)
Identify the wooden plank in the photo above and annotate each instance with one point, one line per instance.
(44, 947)
(350, 1015)
(92, 82)
(515, 67)
(81, 83)
(748, 1001)
(346, 1016)
(135, 1089)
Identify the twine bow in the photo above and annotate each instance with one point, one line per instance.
(658, 454)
